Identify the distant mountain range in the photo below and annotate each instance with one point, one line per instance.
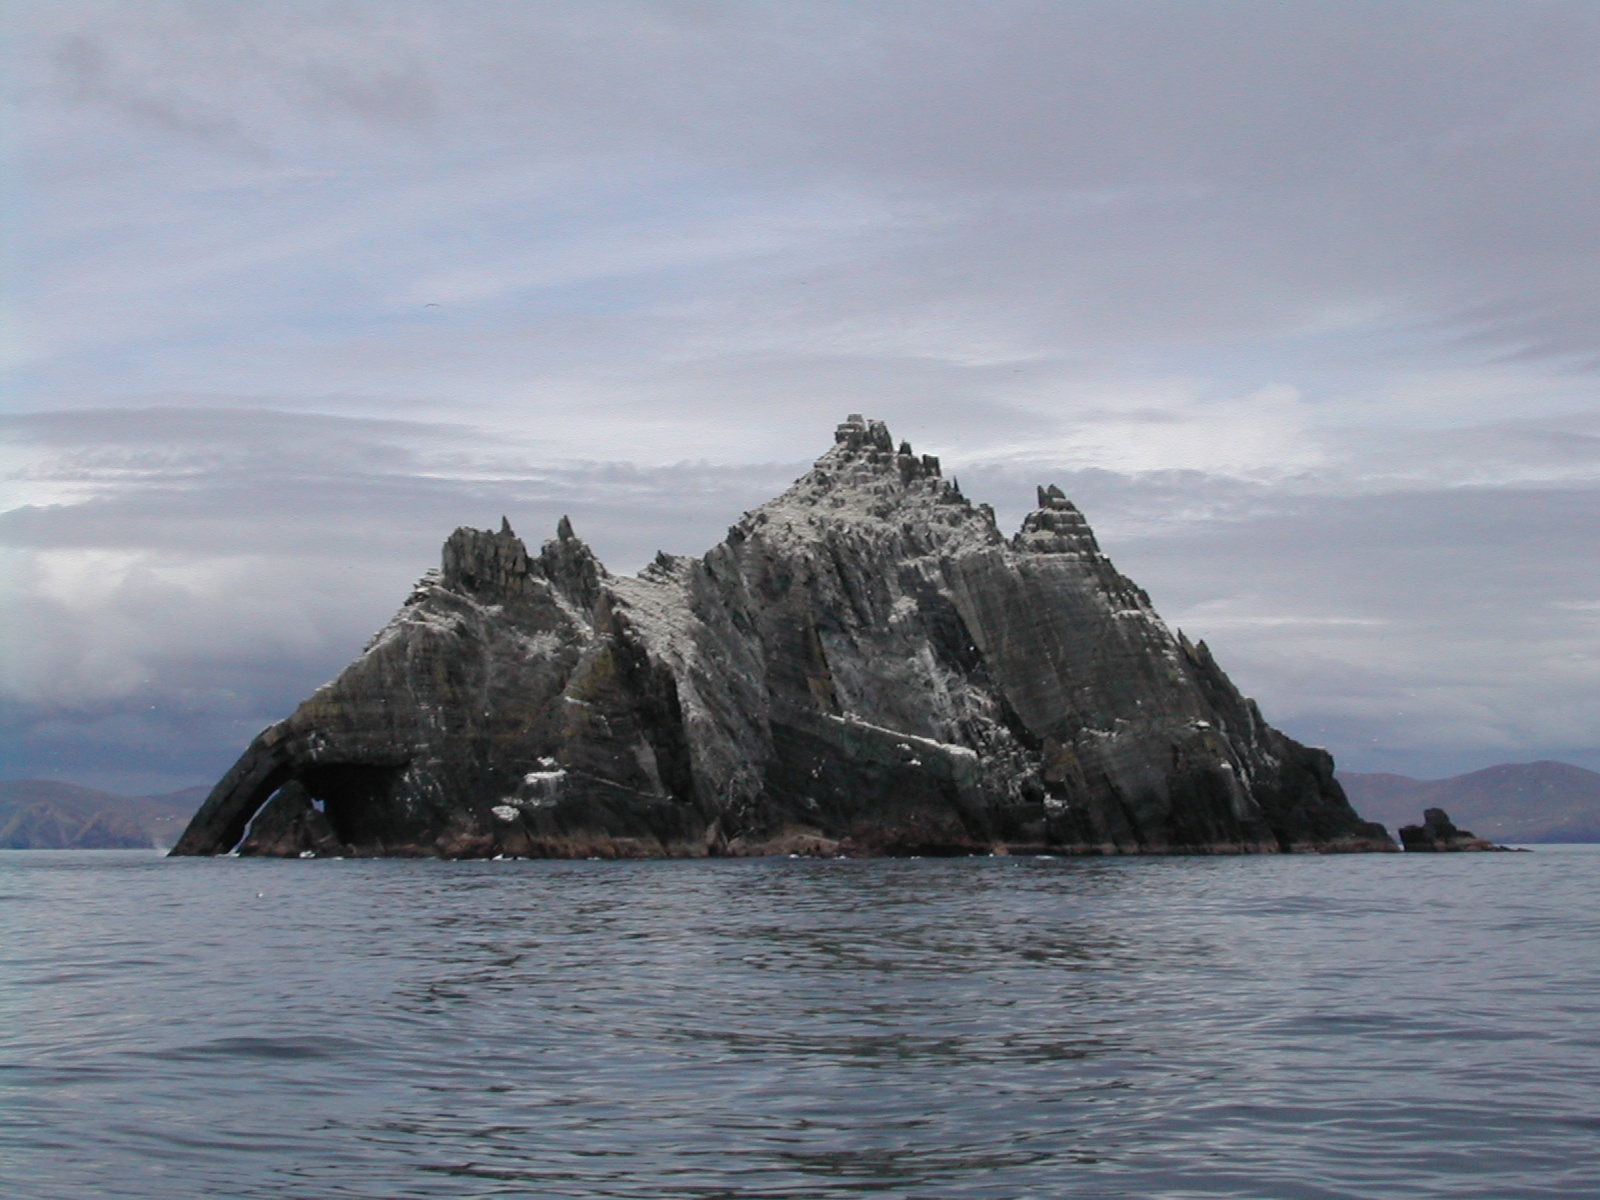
(40, 814)
(1513, 802)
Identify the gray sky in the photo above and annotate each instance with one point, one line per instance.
(1299, 301)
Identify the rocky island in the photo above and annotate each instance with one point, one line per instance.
(866, 665)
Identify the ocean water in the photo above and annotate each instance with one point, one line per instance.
(1371, 1026)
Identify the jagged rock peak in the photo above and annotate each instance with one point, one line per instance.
(478, 561)
(1052, 497)
(860, 480)
(568, 563)
(864, 486)
(1056, 527)
(497, 567)
(857, 434)
(865, 666)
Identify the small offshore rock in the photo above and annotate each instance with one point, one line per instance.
(1438, 834)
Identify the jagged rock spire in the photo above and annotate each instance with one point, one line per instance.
(568, 563)
(858, 433)
(476, 560)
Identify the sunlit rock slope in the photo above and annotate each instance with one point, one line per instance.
(866, 665)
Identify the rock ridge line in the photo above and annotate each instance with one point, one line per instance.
(865, 665)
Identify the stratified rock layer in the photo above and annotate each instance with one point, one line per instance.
(866, 665)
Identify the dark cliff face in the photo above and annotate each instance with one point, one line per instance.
(865, 665)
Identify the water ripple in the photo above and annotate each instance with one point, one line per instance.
(1383, 1027)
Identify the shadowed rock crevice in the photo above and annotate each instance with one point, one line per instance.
(865, 665)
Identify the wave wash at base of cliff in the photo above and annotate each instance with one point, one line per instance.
(865, 665)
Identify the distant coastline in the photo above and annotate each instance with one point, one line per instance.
(43, 814)
(1512, 802)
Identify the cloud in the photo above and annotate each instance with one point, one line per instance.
(301, 286)
(1415, 630)
(182, 577)
(89, 78)
(1056, 180)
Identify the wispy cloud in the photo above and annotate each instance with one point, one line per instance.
(301, 286)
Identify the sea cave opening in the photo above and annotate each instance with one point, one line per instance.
(357, 799)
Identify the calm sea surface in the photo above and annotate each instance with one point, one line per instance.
(1376, 1026)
